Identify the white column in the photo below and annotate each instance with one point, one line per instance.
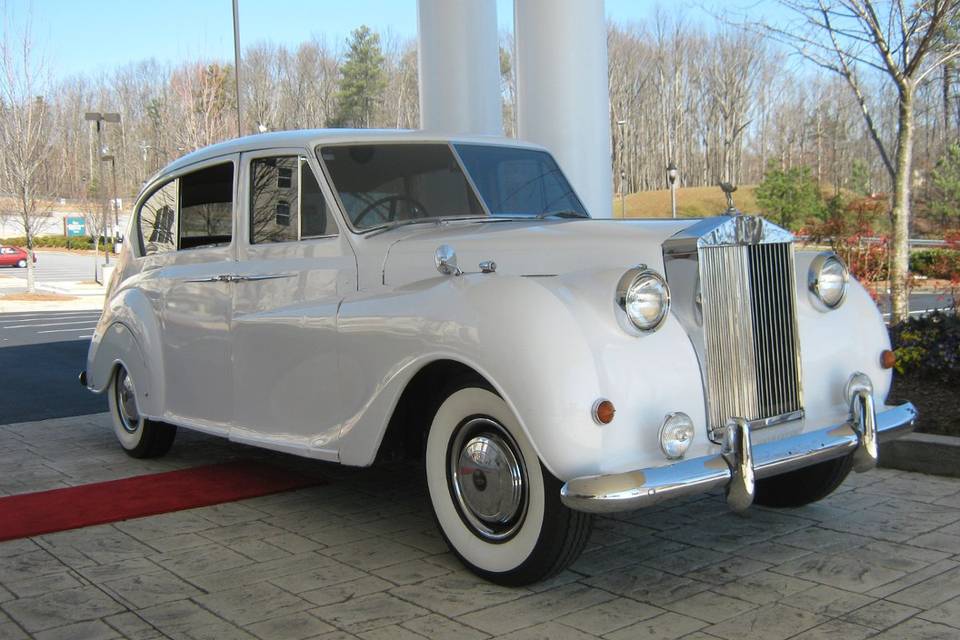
(459, 66)
(562, 91)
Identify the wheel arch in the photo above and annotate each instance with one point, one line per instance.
(129, 333)
(410, 419)
(118, 346)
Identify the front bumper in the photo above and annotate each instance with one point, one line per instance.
(741, 463)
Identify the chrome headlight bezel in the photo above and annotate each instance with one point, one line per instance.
(814, 279)
(637, 277)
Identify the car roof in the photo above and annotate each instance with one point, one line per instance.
(309, 138)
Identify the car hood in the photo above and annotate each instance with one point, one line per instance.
(535, 247)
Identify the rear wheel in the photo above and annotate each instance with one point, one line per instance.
(803, 486)
(139, 437)
(497, 506)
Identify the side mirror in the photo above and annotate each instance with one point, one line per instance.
(446, 261)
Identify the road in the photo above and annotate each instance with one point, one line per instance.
(920, 303)
(41, 354)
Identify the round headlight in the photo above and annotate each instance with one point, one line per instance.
(676, 434)
(828, 279)
(644, 297)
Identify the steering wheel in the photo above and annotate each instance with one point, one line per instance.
(415, 207)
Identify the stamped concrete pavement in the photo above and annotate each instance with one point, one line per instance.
(360, 557)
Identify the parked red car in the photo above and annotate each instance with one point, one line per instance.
(14, 257)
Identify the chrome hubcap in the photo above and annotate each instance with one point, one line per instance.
(488, 479)
(127, 402)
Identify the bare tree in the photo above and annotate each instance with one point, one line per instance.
(25, 133)
(891, 40)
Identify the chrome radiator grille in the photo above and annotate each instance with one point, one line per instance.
(750, 335)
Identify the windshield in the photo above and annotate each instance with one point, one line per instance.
(514, 181)
(382, 184)
(386, 184)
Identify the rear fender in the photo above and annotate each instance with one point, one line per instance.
(129, 334)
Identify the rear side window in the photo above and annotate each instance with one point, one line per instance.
(206, 207)
(286, 203)
(158, 220)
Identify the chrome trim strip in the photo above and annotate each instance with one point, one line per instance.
(760, 423)
(647, 487)
(263, 276)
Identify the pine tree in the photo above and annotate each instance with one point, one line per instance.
(790, 196)
(362, 80)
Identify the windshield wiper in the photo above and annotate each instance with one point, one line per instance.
(562, 213)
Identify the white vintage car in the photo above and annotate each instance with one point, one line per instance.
(342, 295)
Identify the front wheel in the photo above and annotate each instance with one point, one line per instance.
(803, 486)
(139, 437)
(22, 263)
(497, 506)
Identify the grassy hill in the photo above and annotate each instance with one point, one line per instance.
(692, 202)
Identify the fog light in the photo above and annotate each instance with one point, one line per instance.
(676, 434)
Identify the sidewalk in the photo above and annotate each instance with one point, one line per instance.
(61, 296)
(360, 557)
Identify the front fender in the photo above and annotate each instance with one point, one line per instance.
(550, 346)
(836, 343)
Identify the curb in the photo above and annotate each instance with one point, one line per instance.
(923, 452)
(69, 291)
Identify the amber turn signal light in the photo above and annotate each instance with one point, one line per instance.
(888, 359)
(603, 411)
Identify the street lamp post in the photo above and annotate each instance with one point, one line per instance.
(672, 179)
(236, 60)
(116, 208)
(100, 119)
(623, 174)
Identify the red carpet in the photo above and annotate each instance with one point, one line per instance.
(34, 514)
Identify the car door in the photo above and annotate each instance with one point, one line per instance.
(195, 287)
(295, 266)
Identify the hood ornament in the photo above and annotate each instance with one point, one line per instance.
(728, 188)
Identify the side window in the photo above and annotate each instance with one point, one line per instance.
(157, 220)
(206, 207)
(286, 203)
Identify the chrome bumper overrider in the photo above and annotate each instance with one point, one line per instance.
(741, 462)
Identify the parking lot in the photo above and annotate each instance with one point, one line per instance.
(41, 355)
(56, 266)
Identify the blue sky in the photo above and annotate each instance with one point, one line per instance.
(96, 36)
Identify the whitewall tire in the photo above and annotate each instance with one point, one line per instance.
(497, 506)
(22, 264)
(139, 437)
